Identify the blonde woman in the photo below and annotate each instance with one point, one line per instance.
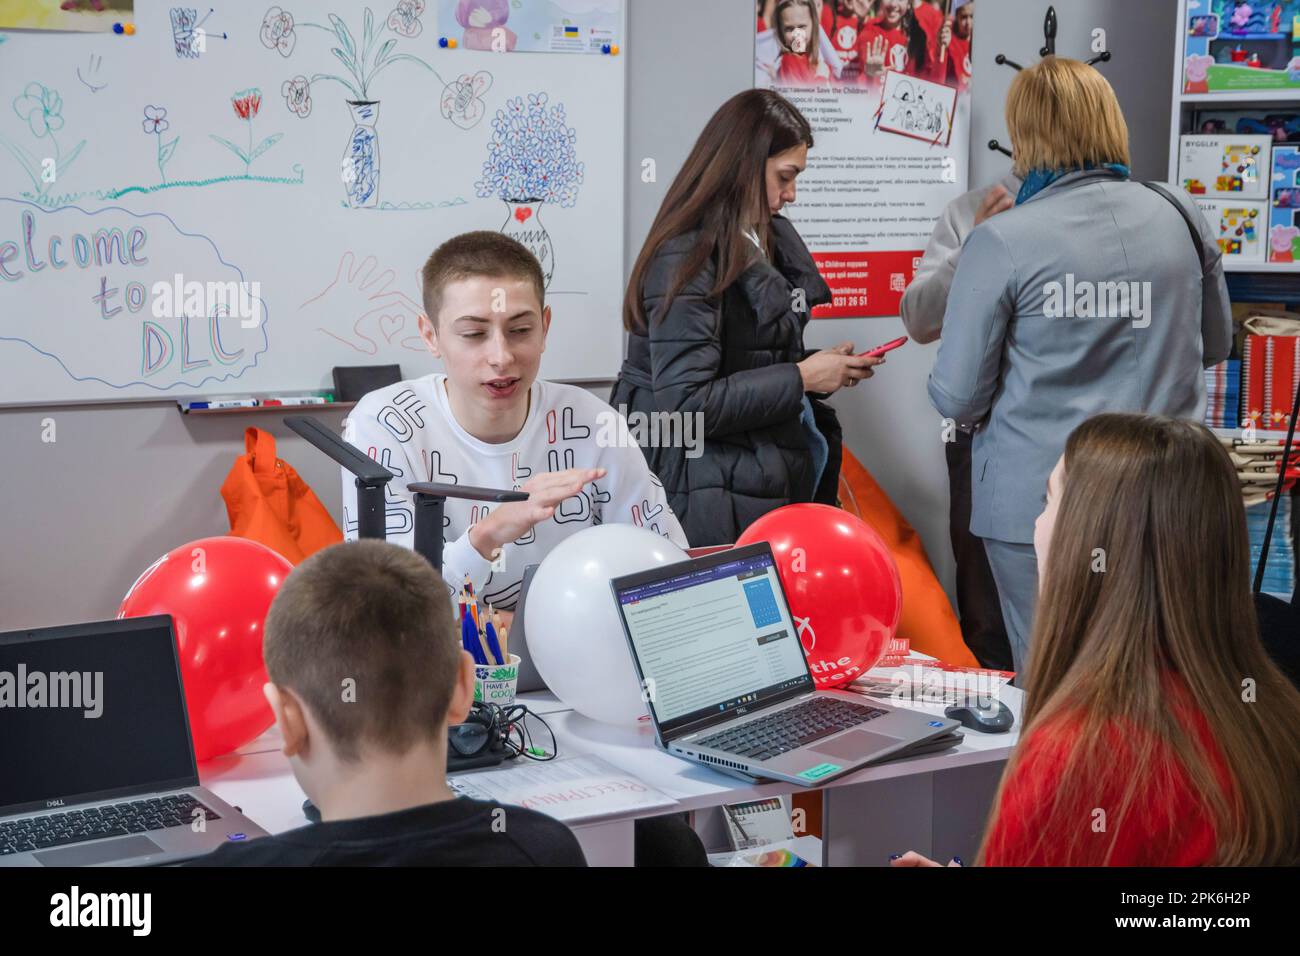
(1089, 296)
(1157, 732)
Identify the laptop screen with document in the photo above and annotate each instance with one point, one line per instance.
(712, 636)
(88, 711)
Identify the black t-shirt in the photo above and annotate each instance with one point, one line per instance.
(458, 832)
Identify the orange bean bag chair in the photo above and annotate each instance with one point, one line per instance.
(927, 620)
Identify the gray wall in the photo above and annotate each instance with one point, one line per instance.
(1140, 35)
(83, 515)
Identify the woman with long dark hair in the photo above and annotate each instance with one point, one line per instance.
(1157, 732)
(715, 311)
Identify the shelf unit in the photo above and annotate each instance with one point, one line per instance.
(1184, 119)
(1247, 281)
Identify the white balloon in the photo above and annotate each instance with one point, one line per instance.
(572, 626)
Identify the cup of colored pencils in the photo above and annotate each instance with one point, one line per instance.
(485, 637)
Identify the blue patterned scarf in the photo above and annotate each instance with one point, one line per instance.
(1037, 180)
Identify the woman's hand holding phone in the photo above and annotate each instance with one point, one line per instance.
(832, 369)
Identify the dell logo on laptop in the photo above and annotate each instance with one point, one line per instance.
(54, 803)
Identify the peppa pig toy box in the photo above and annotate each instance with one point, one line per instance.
(1232, 45)
(1284, 206)
(1224, 166)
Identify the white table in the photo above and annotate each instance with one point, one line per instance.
(936, 804)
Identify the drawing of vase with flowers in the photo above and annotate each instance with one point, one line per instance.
(532, 160)
(359, 168)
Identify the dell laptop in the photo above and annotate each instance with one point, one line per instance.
(98, 762)
(728, 685)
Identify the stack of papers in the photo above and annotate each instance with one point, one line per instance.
(572, 789)
(925, 681)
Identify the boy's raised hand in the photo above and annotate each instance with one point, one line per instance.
(514, 519)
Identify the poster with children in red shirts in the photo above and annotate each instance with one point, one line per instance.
(886, 87)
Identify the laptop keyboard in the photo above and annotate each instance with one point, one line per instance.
(119, 819)
(791, 728)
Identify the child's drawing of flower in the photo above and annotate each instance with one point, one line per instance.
(405, 18)
(155, 120)
(532, 154)
(155, 124)
(42, 108)
(247, 103)
(461, 101)
(297, 95)
(277, 31)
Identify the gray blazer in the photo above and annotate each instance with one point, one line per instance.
(1086, 298)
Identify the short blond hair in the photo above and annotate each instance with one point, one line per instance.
(1062, 114)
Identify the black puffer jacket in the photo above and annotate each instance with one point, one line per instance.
(733, 361)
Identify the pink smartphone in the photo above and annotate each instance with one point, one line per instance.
(880, 350)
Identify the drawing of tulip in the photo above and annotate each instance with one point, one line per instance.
(246, 104)
(155, 124)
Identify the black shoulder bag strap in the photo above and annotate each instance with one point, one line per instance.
(1290, 432)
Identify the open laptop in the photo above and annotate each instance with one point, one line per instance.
(98, 762)
(728, 684)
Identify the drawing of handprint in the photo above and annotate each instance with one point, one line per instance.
(362, 292)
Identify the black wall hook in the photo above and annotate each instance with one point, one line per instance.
(998, 147)
(1050, 24)
(1049, 33)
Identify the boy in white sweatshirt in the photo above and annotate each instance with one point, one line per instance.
(489, 421)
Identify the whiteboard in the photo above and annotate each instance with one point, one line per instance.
(186, 214)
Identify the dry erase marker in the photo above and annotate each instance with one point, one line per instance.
(303, 400)
(234, 403)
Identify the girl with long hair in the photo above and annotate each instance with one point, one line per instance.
(1156, 730)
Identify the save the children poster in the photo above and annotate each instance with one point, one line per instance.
(885, 85)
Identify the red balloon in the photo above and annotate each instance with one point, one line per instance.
(842, 584)
(217, 591)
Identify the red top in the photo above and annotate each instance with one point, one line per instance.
(797, 71)
(1168, 826)
(843, 31)
(958, 64)
(896, 55)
